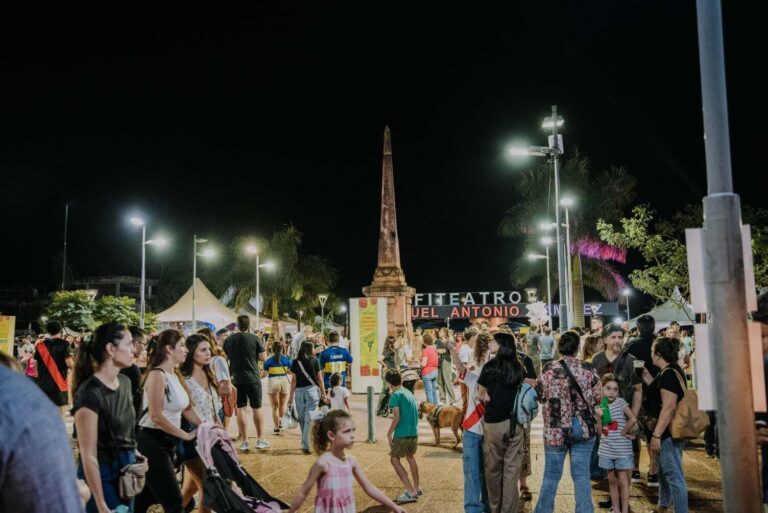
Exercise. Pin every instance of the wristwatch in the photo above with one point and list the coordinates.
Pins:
(654, 436)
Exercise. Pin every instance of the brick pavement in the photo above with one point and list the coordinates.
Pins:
(282, 468)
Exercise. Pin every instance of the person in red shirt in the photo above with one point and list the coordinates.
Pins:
(429, 362)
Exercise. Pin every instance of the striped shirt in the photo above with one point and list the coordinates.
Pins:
(615, 445)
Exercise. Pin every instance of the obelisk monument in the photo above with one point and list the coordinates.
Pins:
(389, 278)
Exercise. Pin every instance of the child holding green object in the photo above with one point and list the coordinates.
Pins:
(615, 453)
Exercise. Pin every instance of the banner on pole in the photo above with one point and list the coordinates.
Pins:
(7, 330)
(368, 326)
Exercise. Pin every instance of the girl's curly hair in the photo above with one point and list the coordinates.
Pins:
(320, 428)
(481, 346)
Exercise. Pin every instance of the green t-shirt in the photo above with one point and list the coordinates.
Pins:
(409, 414)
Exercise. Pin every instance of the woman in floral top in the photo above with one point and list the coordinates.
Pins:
(569, 423)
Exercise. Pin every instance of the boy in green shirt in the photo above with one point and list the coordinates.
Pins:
(403, 435)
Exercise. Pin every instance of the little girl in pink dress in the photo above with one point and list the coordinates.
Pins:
(334, 470)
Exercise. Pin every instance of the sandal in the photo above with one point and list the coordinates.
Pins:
(525, 494)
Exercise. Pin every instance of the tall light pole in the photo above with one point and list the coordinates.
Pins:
(724, 279)
(64, 263)
(546, 241)
(567, 203)
(626, 293)
(207, 254)
(159, 241)
(555, 149)
(254, 250)
(323, 298)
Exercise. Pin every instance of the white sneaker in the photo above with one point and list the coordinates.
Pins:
(244, 446)
(262, 444)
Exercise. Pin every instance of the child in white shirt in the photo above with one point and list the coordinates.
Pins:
(339, 395)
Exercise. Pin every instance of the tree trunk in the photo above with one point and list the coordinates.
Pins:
(275, 320)
(578, 291)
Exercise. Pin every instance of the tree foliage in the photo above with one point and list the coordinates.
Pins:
(78, 311)
(293, 285)
(663, 247)
(666, 265)
(74, 308)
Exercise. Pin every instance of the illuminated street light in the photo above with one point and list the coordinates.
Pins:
(546, 241)
(157, 241)
(252, 249)
(207, 253)
(626, 293)
(555, 149)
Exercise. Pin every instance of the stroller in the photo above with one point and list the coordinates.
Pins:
(227, 487)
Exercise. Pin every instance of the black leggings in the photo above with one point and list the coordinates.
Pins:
(162, 486)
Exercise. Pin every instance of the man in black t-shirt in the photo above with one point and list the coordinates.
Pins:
(244, 351)
(54, 359)
(640, 348)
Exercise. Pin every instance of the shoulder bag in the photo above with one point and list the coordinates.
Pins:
(323, 402)
(589, 418)
(688, 421)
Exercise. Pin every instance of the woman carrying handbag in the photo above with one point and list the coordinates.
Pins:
(307, 387)
(105, 419)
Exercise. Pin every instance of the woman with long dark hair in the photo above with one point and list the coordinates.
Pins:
(104, 416)
(202, 385)
(308, 387)
(497, 386)
(166, 401)
(220, 368)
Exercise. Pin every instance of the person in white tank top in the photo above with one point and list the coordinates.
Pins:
(165, 401)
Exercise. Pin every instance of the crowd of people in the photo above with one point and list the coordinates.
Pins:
(138, 399)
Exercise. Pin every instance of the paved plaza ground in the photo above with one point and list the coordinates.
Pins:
(282, 468)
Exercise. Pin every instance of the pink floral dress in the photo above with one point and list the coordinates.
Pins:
(334, 488)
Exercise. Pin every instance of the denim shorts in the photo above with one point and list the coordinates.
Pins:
(624, 463)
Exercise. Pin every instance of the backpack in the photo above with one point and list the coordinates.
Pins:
(526, 404)
(689, 421)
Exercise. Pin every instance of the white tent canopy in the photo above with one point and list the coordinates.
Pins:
(208, 309)
(675, 309)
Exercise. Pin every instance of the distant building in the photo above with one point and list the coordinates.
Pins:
(129, 286)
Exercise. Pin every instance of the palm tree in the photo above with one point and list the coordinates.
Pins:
(603, 195)
(293, 285)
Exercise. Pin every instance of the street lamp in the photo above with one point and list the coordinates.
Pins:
(567, 203)
(252, 249)
(546, 241)
(207, 253)
(158, 241)
(626, 293)
(343, 309)
(323, 298)
(555, 149)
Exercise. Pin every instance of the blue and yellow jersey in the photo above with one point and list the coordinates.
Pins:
(334, 360)
(275, 368)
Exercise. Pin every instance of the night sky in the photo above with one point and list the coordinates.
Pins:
(227, 124)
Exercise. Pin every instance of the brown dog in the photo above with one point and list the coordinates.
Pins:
(440, 417)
